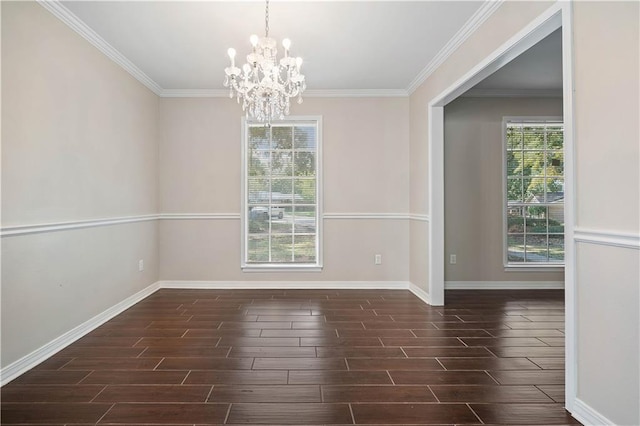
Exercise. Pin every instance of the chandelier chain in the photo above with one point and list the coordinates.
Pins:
(266, 20)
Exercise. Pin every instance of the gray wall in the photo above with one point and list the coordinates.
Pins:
(473, 174)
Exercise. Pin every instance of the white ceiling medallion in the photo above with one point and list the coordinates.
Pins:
(265, 85)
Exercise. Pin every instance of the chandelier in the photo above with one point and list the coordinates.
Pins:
(265, 85)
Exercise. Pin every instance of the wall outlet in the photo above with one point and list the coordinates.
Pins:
(378, 259)
(140, 265)
(453, 259)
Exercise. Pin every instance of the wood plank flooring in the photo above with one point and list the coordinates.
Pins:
(283, 357)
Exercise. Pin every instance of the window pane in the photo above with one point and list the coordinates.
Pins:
(305, 220)
(282, 137)
(555, 137)
(257, 190)
(534, 190)
(555, 190)
(258, 163)
(282, 191)
(555, 163)
(556, 248)
(305, 191)
(305, 138)
(258, 217)
(281, 164)
(514, 163)
(533, 137)
(258, 249)
(515, 249)
(515, 220)
(534, 163)
(514, 136)
(305, 164)
(514, 189)
(556, 218)
(536, 220)
(536, 248)
(258, 137)
(304, 249)
(282, 248)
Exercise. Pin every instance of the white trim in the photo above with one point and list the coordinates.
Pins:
(503, 285)
(607, 238)
(317, 93)
(276, 285)
(398, 216)
(190, 216)
(194, 93)
(420, 293)
(473, 23)
(76, 24)
(356, 93)
(29, 361)
(587, 415)
(512, 93)
(419, 217)
(9, 231)
(436, 204)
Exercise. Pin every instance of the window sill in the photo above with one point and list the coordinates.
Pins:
(535, 268)
(281, 268)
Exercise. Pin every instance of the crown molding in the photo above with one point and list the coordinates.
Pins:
(320, 93)
(76, 24)
(512, 93)
(194, 93)
(473, 23)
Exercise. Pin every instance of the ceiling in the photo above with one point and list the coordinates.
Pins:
(346, 45)
(537, 69)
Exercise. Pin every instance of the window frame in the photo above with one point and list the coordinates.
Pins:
(523, 266)
(244, 222)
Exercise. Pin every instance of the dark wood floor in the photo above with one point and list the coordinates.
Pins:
(308, 357)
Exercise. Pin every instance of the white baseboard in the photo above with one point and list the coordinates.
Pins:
(587, 415)
(274, 285)
(29, 361)
(504, 285)
(420, 293)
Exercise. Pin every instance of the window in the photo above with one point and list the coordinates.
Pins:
(281, 220)
(534, 192)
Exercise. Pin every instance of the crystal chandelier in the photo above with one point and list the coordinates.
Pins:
(263, 84)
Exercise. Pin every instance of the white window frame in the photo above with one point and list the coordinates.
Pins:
(508, 266)
(244, 223)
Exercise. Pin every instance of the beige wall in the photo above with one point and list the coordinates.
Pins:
(473, 175)
(79, 141)
(365, 157)
(608, 178)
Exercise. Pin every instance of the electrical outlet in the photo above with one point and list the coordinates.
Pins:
(140, 265)
(453, 259)
(378, 259)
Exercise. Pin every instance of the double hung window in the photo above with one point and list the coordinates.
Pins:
(534, 192)
(281, 195)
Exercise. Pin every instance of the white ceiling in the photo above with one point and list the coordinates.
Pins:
(370, 45)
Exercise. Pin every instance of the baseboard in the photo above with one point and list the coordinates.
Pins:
(504, 285)
(29, 361)
(587, 415)
(420, 293)
(274, 285)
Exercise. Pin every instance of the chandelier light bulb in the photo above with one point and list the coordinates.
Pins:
(232, 54)
(254, 40)
(286, 43)
(298, 63)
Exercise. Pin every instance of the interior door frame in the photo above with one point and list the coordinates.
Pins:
(559, 15)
